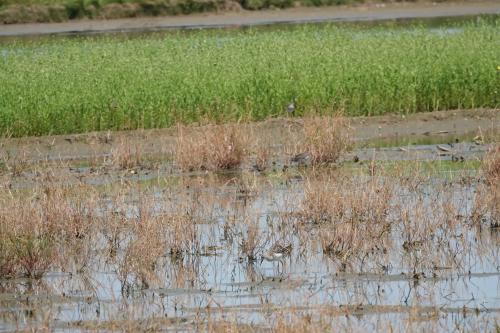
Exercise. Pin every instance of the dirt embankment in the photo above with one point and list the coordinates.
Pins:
(280, 132)
(219, 13)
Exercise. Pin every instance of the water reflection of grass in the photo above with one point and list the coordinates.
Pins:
(393, 223)
(437, 168)
(430, 139)
(79, 85)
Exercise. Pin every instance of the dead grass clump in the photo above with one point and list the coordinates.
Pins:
(154, 236)
(348, 242)
(263, 155)
(491, 166)
(433, 227)
(146, 247)
(210, 148)
(182, 238)
(251, 243)
(351, 214)
(325, 138)
(15, 163)
(294, 321)
(341, 241)
(126, 156)
(340, 199)
(41, 230)
(25, 250)
(487, 197)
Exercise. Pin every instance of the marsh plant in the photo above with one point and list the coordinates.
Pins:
(428, 224)
(325, 138)
(210, 147)
(487, 203)
(147, 239)
(127, 155)
(151, 234)
(491, 165)
(253, 238)
(13, 162)
(164, 242)
(45, 228)
(262, 153)
(351, 224)
(327, 202)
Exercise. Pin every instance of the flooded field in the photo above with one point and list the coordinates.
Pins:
(218, 180)
(299, 235)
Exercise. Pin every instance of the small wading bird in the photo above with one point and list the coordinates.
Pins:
(277, 252)
(302, 158)
(290, 109)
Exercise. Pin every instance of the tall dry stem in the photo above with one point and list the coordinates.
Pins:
(325, 138)
(210, 148)
(43, 228)
(126, 155)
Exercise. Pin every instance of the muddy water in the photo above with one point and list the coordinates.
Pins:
(449, 282)
(78, 168)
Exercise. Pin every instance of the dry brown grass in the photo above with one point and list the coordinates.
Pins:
(359, 217)
(262, 155)
(41, 228)
(153, 236)
(351, 214)
(426, 224)
(325, 138)
(15, 163)
(487, 203)
(210, 148)
(364, 221)
(147, 245)
(127, 155)
(491, 166)
(337, 198)
(252, 241)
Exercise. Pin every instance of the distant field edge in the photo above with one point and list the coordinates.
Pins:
(45, 11)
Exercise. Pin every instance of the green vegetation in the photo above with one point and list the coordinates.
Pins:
(73, 85)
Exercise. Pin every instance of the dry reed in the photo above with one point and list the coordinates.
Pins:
(325, 138)
(210, 148)
(351, 214)
(46, 226)
(487, 203)
(127, 156)
(491, 166)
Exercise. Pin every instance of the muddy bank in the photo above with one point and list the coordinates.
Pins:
(457, 137)
(392, 130)
(365, 12)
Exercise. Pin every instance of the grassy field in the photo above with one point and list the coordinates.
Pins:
(72, 85)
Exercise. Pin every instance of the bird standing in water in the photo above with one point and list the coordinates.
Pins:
(277, 252)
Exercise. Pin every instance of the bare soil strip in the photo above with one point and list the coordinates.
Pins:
(367, 12)
(280, 131)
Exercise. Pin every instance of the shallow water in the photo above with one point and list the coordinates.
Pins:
(440, 25)
(450, 281)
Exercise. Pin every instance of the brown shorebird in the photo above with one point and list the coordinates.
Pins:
(301, 158)
(278, 251)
